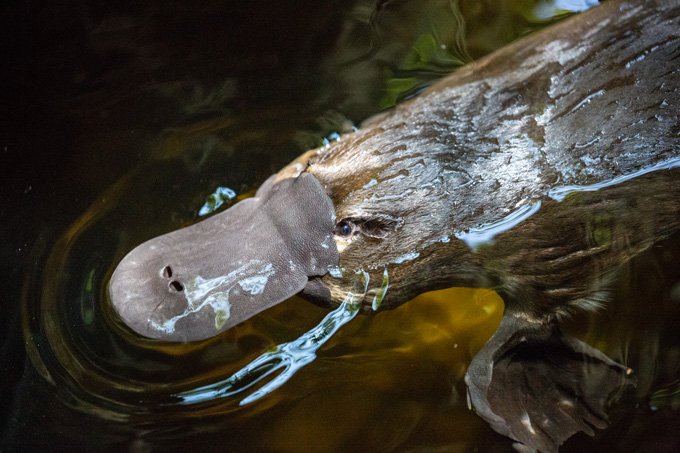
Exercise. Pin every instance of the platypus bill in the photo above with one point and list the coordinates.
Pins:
(537, 172)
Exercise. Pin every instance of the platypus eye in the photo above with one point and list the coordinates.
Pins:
(344, 228)
(374, 226)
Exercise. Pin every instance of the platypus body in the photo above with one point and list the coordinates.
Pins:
(536, 171)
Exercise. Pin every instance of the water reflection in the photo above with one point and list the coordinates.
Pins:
(290, 356)
(380, 292)
(217, 199)
(560, 193)
(484, 234)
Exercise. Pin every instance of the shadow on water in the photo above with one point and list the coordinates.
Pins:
(122, 120)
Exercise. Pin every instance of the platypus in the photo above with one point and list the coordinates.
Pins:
(537, 171)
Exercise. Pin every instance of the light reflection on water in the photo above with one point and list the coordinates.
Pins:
(484, 234)
(560, 193)
(290, 356)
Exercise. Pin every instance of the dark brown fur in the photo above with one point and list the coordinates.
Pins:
(583, 102)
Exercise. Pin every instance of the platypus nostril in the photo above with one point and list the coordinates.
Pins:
(175, 286)
(167, 272)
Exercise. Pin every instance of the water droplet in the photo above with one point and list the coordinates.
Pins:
(380, 295)
(484, 234)
(216, 200)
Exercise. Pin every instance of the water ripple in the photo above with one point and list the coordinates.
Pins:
(289, 356)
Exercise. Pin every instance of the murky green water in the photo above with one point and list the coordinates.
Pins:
(120, 121)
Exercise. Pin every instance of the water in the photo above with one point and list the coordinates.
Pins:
(560, 193)
(216, 200)
(484, 234)
(290, 356)
(119, 124)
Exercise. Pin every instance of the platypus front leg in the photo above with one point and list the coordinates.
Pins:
(538, 386)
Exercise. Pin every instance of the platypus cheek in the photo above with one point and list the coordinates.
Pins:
(196, 282)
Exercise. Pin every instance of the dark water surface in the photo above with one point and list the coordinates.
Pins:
(119, 119)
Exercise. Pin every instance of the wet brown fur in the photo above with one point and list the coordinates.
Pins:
(583, 102)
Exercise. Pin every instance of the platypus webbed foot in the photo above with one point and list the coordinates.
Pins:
(539, 387)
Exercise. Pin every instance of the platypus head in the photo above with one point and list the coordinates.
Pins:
(394, 210)
(361, 216)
